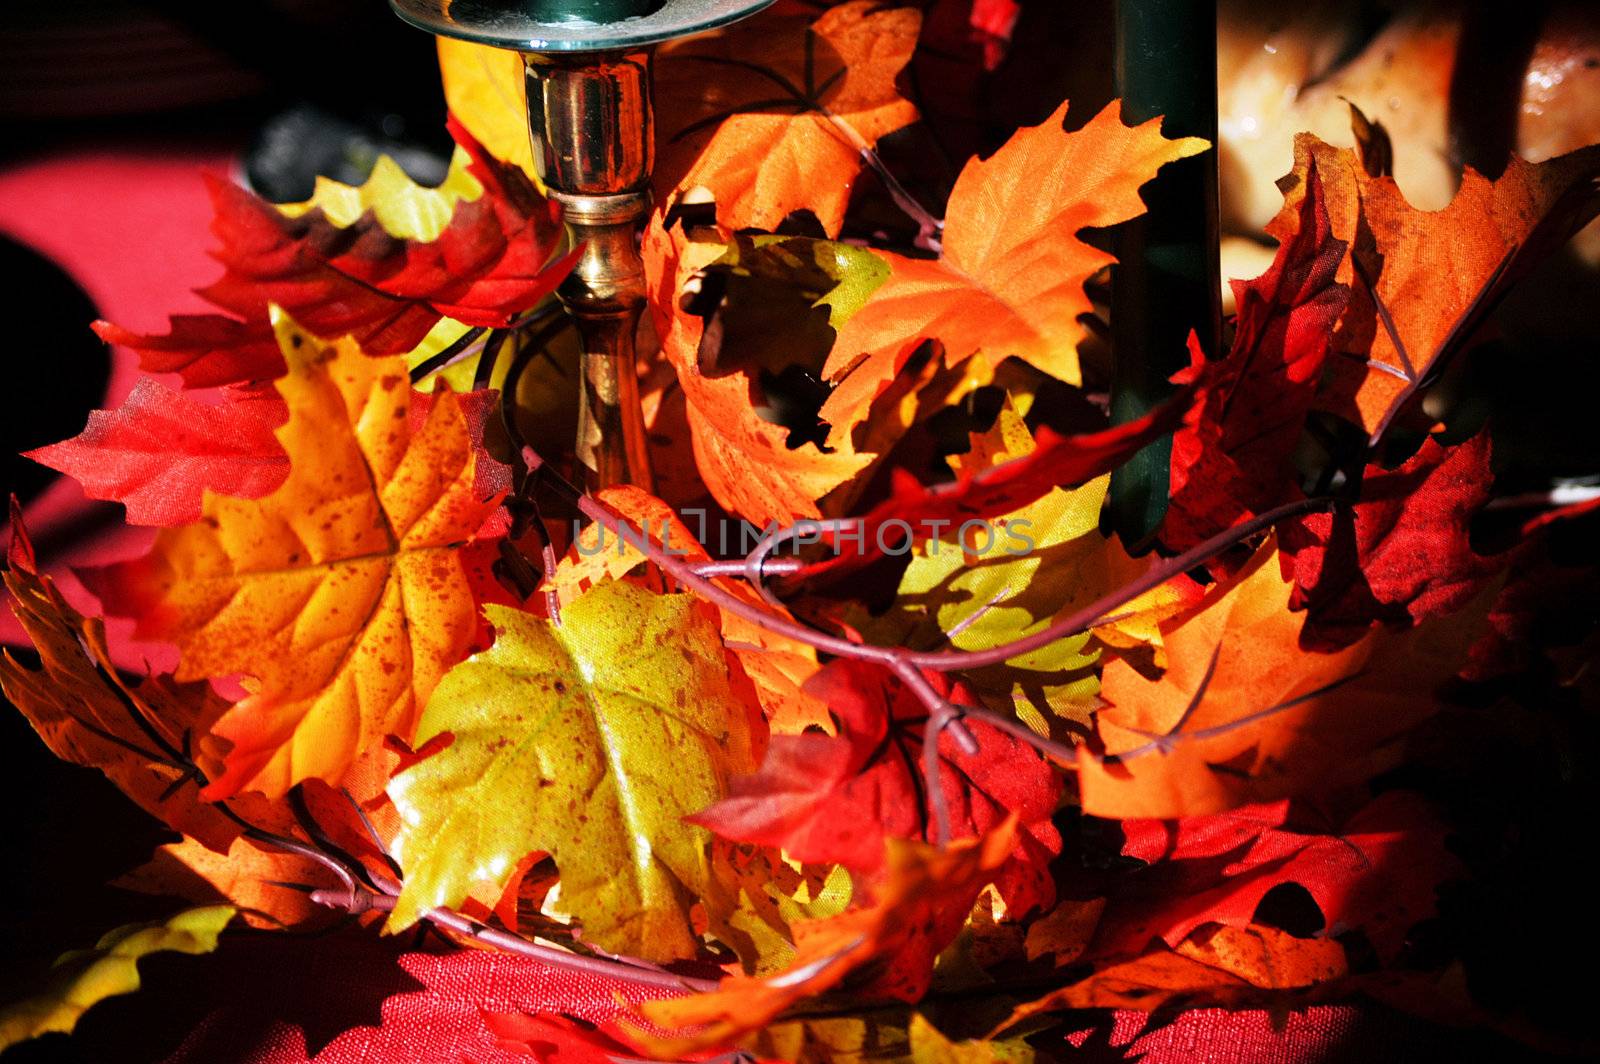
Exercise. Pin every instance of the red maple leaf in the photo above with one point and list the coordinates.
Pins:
(1401, 554)
(492, 261)
(921, 510)
(161, 451)
(1377, 874)
(1232, 458)
(834, 799)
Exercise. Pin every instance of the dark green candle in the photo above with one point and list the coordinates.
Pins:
(1167, 283)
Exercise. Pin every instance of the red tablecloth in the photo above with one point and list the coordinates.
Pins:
(130, 224)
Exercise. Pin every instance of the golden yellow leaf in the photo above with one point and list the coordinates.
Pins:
(83, 978)
(341, 596)
(590, 740)
(484, 90)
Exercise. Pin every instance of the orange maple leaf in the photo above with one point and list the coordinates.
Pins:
(772, 114)
(917, 908)
(340, 596)
(1423, 281)
(1243, 714)
(744, 460)
(1009, 281)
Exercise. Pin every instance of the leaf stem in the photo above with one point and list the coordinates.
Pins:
(359, 901)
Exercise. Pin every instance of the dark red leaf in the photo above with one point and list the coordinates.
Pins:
(833, 800)
(494, 260)
(1232, 458)
(920, 510)
(1377, 874)
(1400, 555)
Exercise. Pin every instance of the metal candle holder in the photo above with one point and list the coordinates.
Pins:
(587, 65)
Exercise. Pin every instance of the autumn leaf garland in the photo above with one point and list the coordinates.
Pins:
(836, 774)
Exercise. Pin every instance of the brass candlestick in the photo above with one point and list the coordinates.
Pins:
(587, 65)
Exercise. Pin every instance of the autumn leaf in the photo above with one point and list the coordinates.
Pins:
(1422, 282)
(137, 734)
(1233, 456)
(745, 461)
(1227, 968)
(917, 907)
(1401, 555)
(834, 799)
(83, 978)
(1009, 281)
(341, 594)
(270, 888)
(917, 510)
(1065, 931)
(552, 1039)
(777, 665)
(478, 249)
(1243, 714)
(483, 89)
(1155, 980)
(161, 451)
(983, 581)
(771, 115)
(1375, 872)
(1267, 957)
(589, 740)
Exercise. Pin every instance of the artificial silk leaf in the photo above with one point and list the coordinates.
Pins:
(989, 583)
(1268, 958)
(83, 978)
(341, 595)
(917, 510)
(1243, 714)
(745, 461)
(772, 115)
(136, 733)
(1009, 281)
(589, 740)
(834, 799)
(1375, 872)
(985, 582)
(929, 1046)
(1157, 980)
(552, 1039)
(270, 887)
(1065, 931)
(1401, 554)
(778, 665)
(386, 288)
(483, 89)
(161, 451)
(1423, 281)
(917, 906)
(1233, 456)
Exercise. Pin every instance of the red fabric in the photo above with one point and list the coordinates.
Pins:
(131, 226)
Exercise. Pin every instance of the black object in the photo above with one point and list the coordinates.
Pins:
(1168, 282)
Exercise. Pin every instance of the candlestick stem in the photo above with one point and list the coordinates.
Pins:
(593, 143)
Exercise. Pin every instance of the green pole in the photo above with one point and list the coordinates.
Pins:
(1167, 283)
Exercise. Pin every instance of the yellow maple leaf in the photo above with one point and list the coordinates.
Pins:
(340, 597)
(591, 740)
